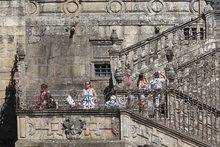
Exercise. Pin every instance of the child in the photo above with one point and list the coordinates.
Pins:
(111, 104)
(70, 101)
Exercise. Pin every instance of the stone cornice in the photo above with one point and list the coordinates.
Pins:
(57, 112)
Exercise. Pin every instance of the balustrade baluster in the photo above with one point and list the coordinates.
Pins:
(166, 42)
(174, 38)
(165, 107)
(196, 97)
(143, 57)
(202, 97)
(181, 37)
(168, 95)
(197, 31)
(127, 63)
(184, 88)
(135, 61)
(188, 104)
(190, 36)
(206, 119)
(162, 39)
(178, 102)
(203, 26)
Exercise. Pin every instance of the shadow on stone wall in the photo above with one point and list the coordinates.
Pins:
(108, 91)
(8, 121)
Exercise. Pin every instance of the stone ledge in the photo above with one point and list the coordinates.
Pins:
(75, 143)
(58, 112)
(116, 113)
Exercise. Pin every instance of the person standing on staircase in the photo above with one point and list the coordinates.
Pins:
(157, 85)
(142, 83)
(89, 96)
(41, 99)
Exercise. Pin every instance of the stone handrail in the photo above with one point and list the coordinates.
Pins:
(166, 32)
(196, 59)
(177, 111)
(195, 102)
(174, 111)
(148, 56)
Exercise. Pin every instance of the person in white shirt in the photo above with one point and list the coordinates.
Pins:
(70, 99)
(157, 84)
(111, 104)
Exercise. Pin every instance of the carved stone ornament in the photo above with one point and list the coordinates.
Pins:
(122, 101)
(114, 36)
(32, 7)
(156, 6)
(115, 126)
(72, 7)
(119, 76)
(73, 127)
(115, 6)
(195, 4)
(208, 7)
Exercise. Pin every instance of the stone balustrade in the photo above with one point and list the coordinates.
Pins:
(174, 46)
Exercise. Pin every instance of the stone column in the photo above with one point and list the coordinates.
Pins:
(116, 69)
(210, 24)
(20, 80)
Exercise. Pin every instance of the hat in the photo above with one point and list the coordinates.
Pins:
(113, 97)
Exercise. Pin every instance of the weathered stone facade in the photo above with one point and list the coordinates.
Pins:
(118, 128)
(60, 42)
(64, 62)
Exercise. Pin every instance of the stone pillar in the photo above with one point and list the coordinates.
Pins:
(20, 82)
(116, 69)
(169, 69)
(125, 127)
(210, 24)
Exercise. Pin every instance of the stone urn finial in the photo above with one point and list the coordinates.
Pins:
(208, 7)
(118, 76)
(114, 36)
(170, 72)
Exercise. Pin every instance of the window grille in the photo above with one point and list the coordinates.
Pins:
(201, 33)
(194, 33)
(186, 33)
(102, 70)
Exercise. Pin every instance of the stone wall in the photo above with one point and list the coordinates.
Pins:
(65, 62)
(37, 29)
(12, 38)
(122, 128)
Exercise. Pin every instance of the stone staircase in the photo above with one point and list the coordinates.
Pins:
(190, 118)
(193, 107)
(191, 110)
